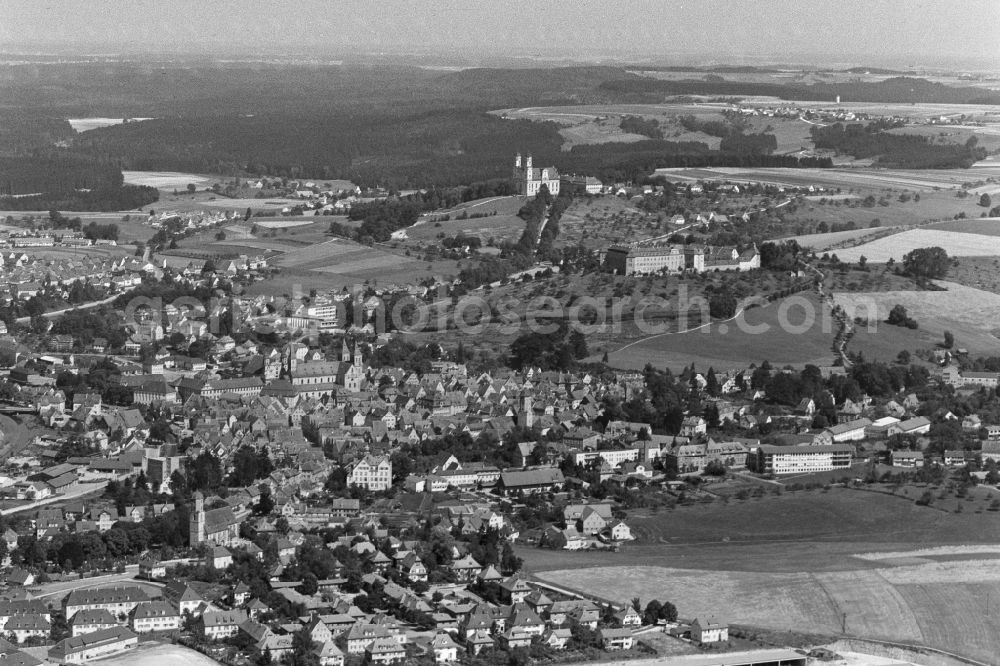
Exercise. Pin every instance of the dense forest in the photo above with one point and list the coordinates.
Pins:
(897, 150)
(69, 182)
(395, 126)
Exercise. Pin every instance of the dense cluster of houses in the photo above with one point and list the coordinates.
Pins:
(26, 276)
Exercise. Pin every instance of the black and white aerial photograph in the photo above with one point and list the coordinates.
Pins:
(500, 332)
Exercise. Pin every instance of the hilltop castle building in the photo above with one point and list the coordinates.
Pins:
(530, 180)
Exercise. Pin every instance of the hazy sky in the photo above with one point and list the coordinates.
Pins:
(876, 31)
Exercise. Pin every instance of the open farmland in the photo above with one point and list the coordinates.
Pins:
(947, 615)
(737, 343)
(334, 264)
(896, 246)
(986, 226)
(500, 222)
(822, 242)
(600, 123)
(805, 559)
(972, 315)
(924, 179)
(168, 180)
(282, 224)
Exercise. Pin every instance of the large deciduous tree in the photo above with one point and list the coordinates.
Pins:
(926, 263)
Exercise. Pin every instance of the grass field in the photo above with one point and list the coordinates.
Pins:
(501, 223)
(971, 314)
(822, 242)
(985, 226)
(977, 272)
(803, 561)
(737, 344)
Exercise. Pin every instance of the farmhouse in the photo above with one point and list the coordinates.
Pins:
(709, 631)
(802, 459)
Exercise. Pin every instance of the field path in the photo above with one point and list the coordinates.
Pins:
(686, 330)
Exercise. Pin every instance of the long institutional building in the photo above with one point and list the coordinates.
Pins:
(802, 459)
(642, 259)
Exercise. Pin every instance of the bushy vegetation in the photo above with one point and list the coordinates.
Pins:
(640, 125)
(898, 150)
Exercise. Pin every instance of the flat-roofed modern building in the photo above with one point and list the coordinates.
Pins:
(802, 459)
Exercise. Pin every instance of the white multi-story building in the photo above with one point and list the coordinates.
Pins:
(119, 601)
(155, 616)
(802, 459)
(529, 180)
(371, 472)
(222, 624)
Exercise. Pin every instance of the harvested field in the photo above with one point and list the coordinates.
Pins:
(894, 247)
(843, 178)
(938, 551)
(276, 203)
(862, 603)
(167, 180)
(284, 224)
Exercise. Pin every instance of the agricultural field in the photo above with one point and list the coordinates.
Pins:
(932, 207)
(922, 179)
(836, 239)
(337, 263)
(970, 314)
(590, 124)
(986, 226)
(501, 221)
(737, 344)
(168, 180)
(977, 272)
(284, 223)
(945, 614)
(987, 136)
(805, 560)
(956, 244)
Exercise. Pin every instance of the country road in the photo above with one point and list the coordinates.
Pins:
(80, 491)
(56, 313)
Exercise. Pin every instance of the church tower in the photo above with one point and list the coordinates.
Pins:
(345, 353)
(358, 361)
(526, 418)
(527, 166)
(517, 163)
(196, 523)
